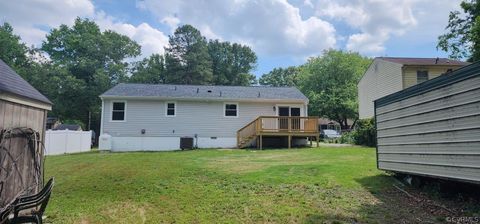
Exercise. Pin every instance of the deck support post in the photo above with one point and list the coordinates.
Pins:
(310, 140)
(289, 141)
(318, 140)
(261, 142)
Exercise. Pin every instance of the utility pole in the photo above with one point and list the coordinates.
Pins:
(89, 120)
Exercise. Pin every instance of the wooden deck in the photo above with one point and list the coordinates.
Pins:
(265, 126)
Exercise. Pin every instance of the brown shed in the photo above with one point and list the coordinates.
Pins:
(21, 106)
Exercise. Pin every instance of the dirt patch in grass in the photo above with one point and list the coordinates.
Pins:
(126, 212)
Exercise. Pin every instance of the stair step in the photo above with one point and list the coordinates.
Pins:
(243, 142)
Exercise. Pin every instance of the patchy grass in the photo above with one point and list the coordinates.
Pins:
(332, 185)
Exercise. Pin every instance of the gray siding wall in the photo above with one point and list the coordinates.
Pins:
(192, 117)
(382, 78)
(14, 115)
(17, 115)
(436, 133)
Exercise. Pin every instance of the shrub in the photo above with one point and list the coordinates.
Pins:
(347, 138)
(365, 133)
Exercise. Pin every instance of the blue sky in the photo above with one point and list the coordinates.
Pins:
(282, 33)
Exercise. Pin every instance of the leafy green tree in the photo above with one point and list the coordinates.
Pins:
(232, 63)
(150, 70)
(84, 49)
(280, 77)
(462, 39)
(330, 82)
(93, 60)
(61, 87)
(12, 51)
(187, 59)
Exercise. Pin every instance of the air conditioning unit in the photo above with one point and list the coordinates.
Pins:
(186, 143)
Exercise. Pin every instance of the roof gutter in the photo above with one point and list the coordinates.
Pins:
(25, 101)
(305, 101)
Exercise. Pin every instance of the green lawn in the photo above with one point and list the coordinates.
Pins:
(223, 186)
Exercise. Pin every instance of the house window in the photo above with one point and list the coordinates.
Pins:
(231, 110)
(118, 111)
(422, 76)
(171, 109)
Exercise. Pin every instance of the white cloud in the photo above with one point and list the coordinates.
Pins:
(297, 28)
(171, 21)
(32, 20)
(150, 39)
(377, 21)
(366, 43)
(270, 27)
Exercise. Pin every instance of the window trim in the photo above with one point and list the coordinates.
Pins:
(174, 108)
(124, 110)
(302, 109)
(428, 75)
(225, 109)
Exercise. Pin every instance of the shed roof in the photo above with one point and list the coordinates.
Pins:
(72, 127)
(206, 92)
(11, 82)
(424, 61)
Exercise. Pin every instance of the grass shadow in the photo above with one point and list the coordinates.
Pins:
(432, 201)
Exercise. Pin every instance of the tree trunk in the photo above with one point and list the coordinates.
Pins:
(354, 122)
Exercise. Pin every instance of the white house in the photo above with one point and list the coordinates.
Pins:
(387, 75)
(155, 117)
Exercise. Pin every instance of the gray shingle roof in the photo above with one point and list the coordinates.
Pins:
(206, 92)
(11, 82)
(72, 127)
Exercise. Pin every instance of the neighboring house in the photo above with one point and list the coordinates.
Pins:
(71, 127)
(52, 123)
(387, 75)
(21, 106)
(433, 129)
(325, 123)
(155, 117)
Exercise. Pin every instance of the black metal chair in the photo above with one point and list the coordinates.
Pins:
(30, 209)
(5, 213)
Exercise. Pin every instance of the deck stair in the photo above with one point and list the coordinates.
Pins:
(276, 126)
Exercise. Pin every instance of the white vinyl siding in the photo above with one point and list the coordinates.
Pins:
(382, 78)
(205, 118)
(435, 133)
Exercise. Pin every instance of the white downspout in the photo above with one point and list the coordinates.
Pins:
(101, 118)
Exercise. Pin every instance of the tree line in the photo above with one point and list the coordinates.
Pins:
(75, 64)
(329, 81)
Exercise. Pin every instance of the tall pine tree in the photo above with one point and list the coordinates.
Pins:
(232, 63)
(187, 59)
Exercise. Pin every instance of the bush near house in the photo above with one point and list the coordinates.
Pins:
(365, 133)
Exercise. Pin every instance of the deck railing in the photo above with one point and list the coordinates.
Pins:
(277, 125)
(287, 124)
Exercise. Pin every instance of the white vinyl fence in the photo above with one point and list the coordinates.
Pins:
(66, 141)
